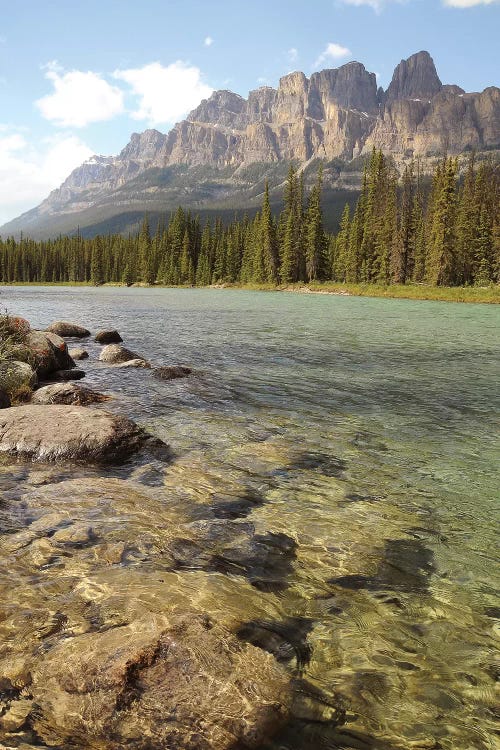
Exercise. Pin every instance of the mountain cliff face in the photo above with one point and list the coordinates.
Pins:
(334, 114)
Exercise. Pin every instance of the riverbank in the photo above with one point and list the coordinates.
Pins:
(484, 295)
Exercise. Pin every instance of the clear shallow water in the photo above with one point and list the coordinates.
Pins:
(364, 430)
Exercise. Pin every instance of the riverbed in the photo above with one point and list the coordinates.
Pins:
(360, 436)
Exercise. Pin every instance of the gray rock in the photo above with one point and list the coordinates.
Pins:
(63, 433)
(181, 681)
(172, 372)
(78, 353)
(48, 352)
(74, 374)
(15, 376)
(62, 328)
(108, 337)
(67, 393)
(114, 354)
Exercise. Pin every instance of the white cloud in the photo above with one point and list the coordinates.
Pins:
(79, 98)
(293, 54)
(468, 3)
(332, 51)
(28, 173)
(208, 41)
(165, 94)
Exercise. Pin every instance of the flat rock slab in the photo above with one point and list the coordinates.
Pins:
(62, 328)
(62, 433)
(67, 393)
(108, 337)
(171, 373)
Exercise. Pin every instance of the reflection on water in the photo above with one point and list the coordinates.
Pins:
(331, 496)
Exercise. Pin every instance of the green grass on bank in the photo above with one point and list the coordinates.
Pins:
(488, 295)
(485, 295)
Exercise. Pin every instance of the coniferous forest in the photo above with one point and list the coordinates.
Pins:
(403, 230)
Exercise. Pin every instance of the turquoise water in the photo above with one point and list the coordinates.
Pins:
(365, 430)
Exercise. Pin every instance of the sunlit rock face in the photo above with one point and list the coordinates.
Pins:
(335, 114)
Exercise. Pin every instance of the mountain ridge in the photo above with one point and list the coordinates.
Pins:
(337, 114)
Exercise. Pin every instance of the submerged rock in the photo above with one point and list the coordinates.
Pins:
(61, 433)
(16, 715)
(407, 566)
(62, 328)
(67, 393)
(78, 353)
(74, 374)
(116, 354)
(108, 337)
(133, 363)
(172, 372)
(180, 682)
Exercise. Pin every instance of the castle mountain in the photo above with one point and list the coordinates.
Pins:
(220, 155)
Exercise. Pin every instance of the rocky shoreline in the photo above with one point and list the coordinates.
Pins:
(113, 654)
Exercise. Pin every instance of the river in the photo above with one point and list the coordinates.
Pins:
(361, 434)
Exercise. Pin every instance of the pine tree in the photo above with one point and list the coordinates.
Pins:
(148, 273)
(270, 260)
(315, 243)
(340, 260)
(440, 263)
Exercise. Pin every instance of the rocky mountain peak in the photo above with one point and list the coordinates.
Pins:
(221, 107)
(350, 86)
(414, 78)
(143, 145)
(335, 114)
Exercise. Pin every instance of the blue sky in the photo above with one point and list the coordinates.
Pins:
(78, 78)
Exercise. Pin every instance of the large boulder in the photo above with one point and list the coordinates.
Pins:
(16, 377)
(108, 337)
(11, 325)
(182, 682)
(115, 354)
(62, 433)
(172, 372)
(67, 393)
(69, 330)
(48, 352)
